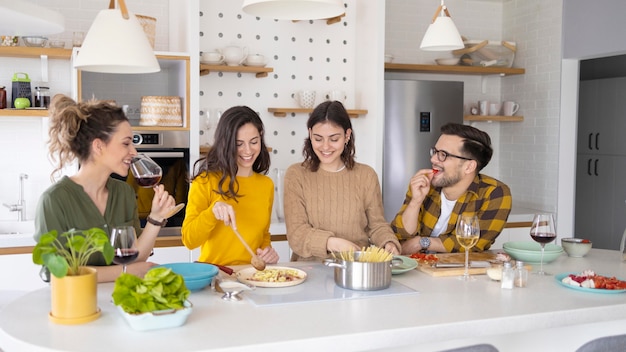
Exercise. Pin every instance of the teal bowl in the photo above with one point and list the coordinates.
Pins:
(530, 252)
(196, 275)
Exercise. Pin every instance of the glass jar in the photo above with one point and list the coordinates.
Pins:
(3, 98)
(508, 276)
(42, 97)
(521, 274)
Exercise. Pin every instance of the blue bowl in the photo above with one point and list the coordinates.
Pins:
(197, 284)
(193, 271)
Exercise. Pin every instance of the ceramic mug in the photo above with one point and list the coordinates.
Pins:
(338, 95)
(306, 98)
(212, 57)
(494, 109)
(483, 107)
(510, 108)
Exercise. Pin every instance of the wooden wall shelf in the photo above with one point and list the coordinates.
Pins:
(34, 53)
(282, 112)
(459, 70)
(259, 71)
(24, 112)
(493, 118)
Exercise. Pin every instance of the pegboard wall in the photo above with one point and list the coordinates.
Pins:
(305, 55)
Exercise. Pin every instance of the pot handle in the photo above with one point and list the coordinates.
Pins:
(331, 263)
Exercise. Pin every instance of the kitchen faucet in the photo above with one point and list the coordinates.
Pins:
(20, 207)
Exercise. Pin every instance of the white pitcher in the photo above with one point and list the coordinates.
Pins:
(234, 55)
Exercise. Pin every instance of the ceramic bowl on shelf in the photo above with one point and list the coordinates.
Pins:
(35, 41)
(57, 44)
(576, 247)
(448, 61)
(530, 251)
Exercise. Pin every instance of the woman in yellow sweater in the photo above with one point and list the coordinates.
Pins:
(230, 188)
(333, 203)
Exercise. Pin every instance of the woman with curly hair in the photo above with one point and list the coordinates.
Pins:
(332, 203)
(231, 181)
(98, 136)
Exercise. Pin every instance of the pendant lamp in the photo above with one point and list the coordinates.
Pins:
(116, 43)
(442, 34)
(294, 9)
(22, 18)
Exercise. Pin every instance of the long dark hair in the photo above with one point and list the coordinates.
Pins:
(335, 113)
(222, 156)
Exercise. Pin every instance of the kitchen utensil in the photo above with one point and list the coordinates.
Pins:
(21, 87)
(257, 60)
(305, 98)
(212, 58)
(361, 276)
(467, 234)
(483, 107)
(509, 108)
(146, 171)
(543, 231)
(336, 95)
(530, 252)
(35, 41)
(234, 55)
(124, 242)
(448, 61)
(256, 262)
(225, 269)
(494, 108)
(576, 247)
(230, 288)
(272, 275)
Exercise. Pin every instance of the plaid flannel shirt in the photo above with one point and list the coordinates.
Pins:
(487, 197)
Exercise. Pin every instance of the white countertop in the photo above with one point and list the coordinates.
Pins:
(446, 313)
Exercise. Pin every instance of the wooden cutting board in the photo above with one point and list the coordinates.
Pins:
(456, 258)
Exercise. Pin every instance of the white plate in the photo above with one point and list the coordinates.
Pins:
(214, 63)
(245, 276)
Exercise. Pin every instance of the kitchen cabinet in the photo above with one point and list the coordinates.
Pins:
(601, 162)
(172, 80)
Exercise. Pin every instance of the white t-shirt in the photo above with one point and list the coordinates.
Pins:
(446, 210)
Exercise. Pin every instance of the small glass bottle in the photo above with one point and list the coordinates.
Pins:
(3, 98)
(508, 276)
(521, 274)
(42, 97)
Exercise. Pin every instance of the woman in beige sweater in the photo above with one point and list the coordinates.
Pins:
(333, 203)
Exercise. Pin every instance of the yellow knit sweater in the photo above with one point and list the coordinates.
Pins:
(253, 213)
(346, 204)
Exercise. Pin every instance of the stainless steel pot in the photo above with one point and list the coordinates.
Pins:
(362, 276)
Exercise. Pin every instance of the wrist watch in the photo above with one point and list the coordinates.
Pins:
(156, 223)
(425, 243)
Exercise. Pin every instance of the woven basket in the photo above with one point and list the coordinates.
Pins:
(149, 27)
(161, 111)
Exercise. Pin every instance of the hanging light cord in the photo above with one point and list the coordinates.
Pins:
(123, 8)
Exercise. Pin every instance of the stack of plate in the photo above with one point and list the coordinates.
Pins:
(530, 252)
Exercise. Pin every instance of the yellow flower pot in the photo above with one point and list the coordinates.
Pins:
(74, 299)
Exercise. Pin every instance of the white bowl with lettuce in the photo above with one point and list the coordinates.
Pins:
(157, 301)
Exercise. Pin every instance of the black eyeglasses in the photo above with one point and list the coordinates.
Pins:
(442, 155)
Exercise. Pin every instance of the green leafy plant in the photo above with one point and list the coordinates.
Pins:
(63, 254)
(160, 289)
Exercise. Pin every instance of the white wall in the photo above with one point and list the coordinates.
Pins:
(525, 153)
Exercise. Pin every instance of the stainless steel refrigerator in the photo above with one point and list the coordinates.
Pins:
(415, 110)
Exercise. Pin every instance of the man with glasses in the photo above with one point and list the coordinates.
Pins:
(436, 196)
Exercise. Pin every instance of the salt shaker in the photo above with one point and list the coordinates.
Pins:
(521, 274)
(508, 276)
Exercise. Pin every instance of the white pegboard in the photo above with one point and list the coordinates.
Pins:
(304, 55)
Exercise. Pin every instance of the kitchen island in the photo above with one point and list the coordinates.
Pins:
(430, 313)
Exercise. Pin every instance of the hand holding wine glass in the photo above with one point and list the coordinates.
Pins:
(542, 231)
(467, 234)
(124, 242)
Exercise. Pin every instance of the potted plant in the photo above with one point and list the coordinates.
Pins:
(73, 285)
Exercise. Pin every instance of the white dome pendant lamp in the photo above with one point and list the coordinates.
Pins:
(294, 10)
(116, 43)
(442, 34)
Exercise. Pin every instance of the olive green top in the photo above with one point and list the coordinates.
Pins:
(65, 206)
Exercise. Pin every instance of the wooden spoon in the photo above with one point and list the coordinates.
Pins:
(256, 262)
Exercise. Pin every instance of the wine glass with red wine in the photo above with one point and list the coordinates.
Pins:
(542, 231)
(124, 242)
(146, 171)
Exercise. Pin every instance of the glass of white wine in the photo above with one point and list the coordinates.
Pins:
(467, 234)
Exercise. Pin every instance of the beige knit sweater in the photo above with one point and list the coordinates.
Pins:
(346, 204)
